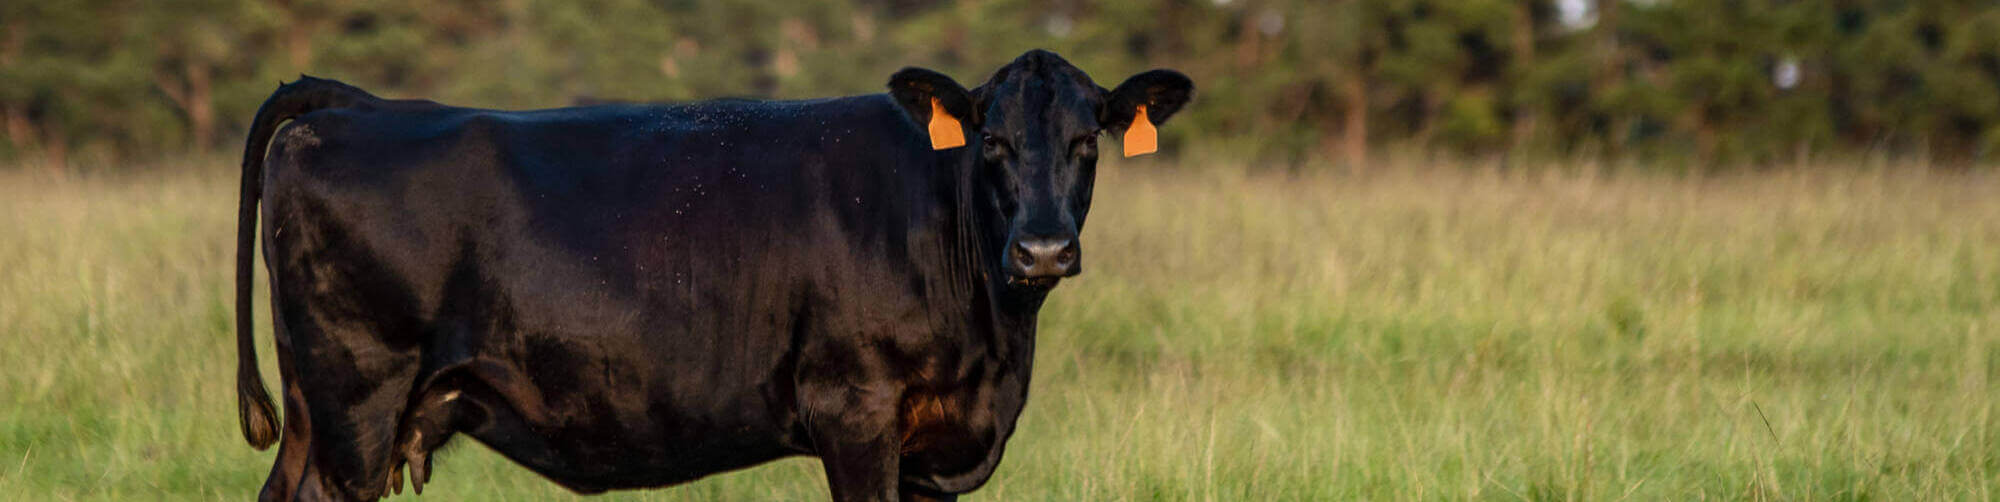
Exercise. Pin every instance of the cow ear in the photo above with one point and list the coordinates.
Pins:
(937, 102)
(1144, 101)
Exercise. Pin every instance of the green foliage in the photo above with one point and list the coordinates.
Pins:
(1280, 80)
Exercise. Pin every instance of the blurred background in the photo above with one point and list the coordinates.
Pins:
(1703, 84)
(1394, 250)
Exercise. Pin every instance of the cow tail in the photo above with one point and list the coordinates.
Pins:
(254, 411)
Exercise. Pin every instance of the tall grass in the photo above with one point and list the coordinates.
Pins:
(1420, 333)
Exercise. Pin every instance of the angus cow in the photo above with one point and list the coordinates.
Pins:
(629, 296)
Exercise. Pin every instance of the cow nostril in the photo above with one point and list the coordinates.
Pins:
(1067, 256)
(1023, 256)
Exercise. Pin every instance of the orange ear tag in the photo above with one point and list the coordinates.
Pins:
(944, 129)
(1141, 138)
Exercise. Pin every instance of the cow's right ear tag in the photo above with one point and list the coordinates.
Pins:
(1141, 138)
(944, 128)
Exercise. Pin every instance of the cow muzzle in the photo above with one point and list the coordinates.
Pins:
(1043, 260)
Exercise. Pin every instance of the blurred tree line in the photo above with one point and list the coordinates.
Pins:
(1289, 82)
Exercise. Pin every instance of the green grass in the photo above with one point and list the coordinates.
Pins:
(1420, 333)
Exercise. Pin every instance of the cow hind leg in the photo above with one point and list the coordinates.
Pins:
(293, 447)
(353, 446)
(355, 336)
(314, 487)
(357, 397)
(289, 469)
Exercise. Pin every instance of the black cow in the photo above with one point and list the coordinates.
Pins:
(629, 296)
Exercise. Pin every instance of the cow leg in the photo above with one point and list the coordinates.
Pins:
(357, 390)
(295, 442)
(293, 448)
(309, 486)
(353, 339)
(912, 493)
(313, 487)
(860, 464)
(855, 471)
(853, 432)
(353, 443)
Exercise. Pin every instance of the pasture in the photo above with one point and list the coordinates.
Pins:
(1420, 332)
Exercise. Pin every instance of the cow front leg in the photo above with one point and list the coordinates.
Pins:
(859, 469)
(853, 433)
(913, 493)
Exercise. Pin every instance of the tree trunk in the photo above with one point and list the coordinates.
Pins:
(20, 130)
(298, 47)
(10, 44)
(1429, 102)
(201, 109)
(1610, 69)
(1354, 127)
(1248, 49)
(191, 92)
(1705, 139)
(1705, 126)
(1524, 59)
(55, 151)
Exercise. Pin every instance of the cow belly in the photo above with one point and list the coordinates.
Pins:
(595, 437)
(633, 462)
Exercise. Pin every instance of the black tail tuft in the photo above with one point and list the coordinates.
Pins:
(254, 410)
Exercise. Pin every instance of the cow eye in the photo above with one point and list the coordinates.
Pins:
(993, 143)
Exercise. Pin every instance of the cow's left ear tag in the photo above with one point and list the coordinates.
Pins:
(1141, 138)
(944, 128)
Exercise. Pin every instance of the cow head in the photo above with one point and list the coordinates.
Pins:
(1033, 129)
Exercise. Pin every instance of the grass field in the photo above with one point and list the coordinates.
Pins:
(1419, 333)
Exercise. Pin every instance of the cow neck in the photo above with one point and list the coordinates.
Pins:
(1009, 312)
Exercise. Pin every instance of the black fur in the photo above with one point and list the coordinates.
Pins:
(628, 296)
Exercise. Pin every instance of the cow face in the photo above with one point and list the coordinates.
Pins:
(1035, 127)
